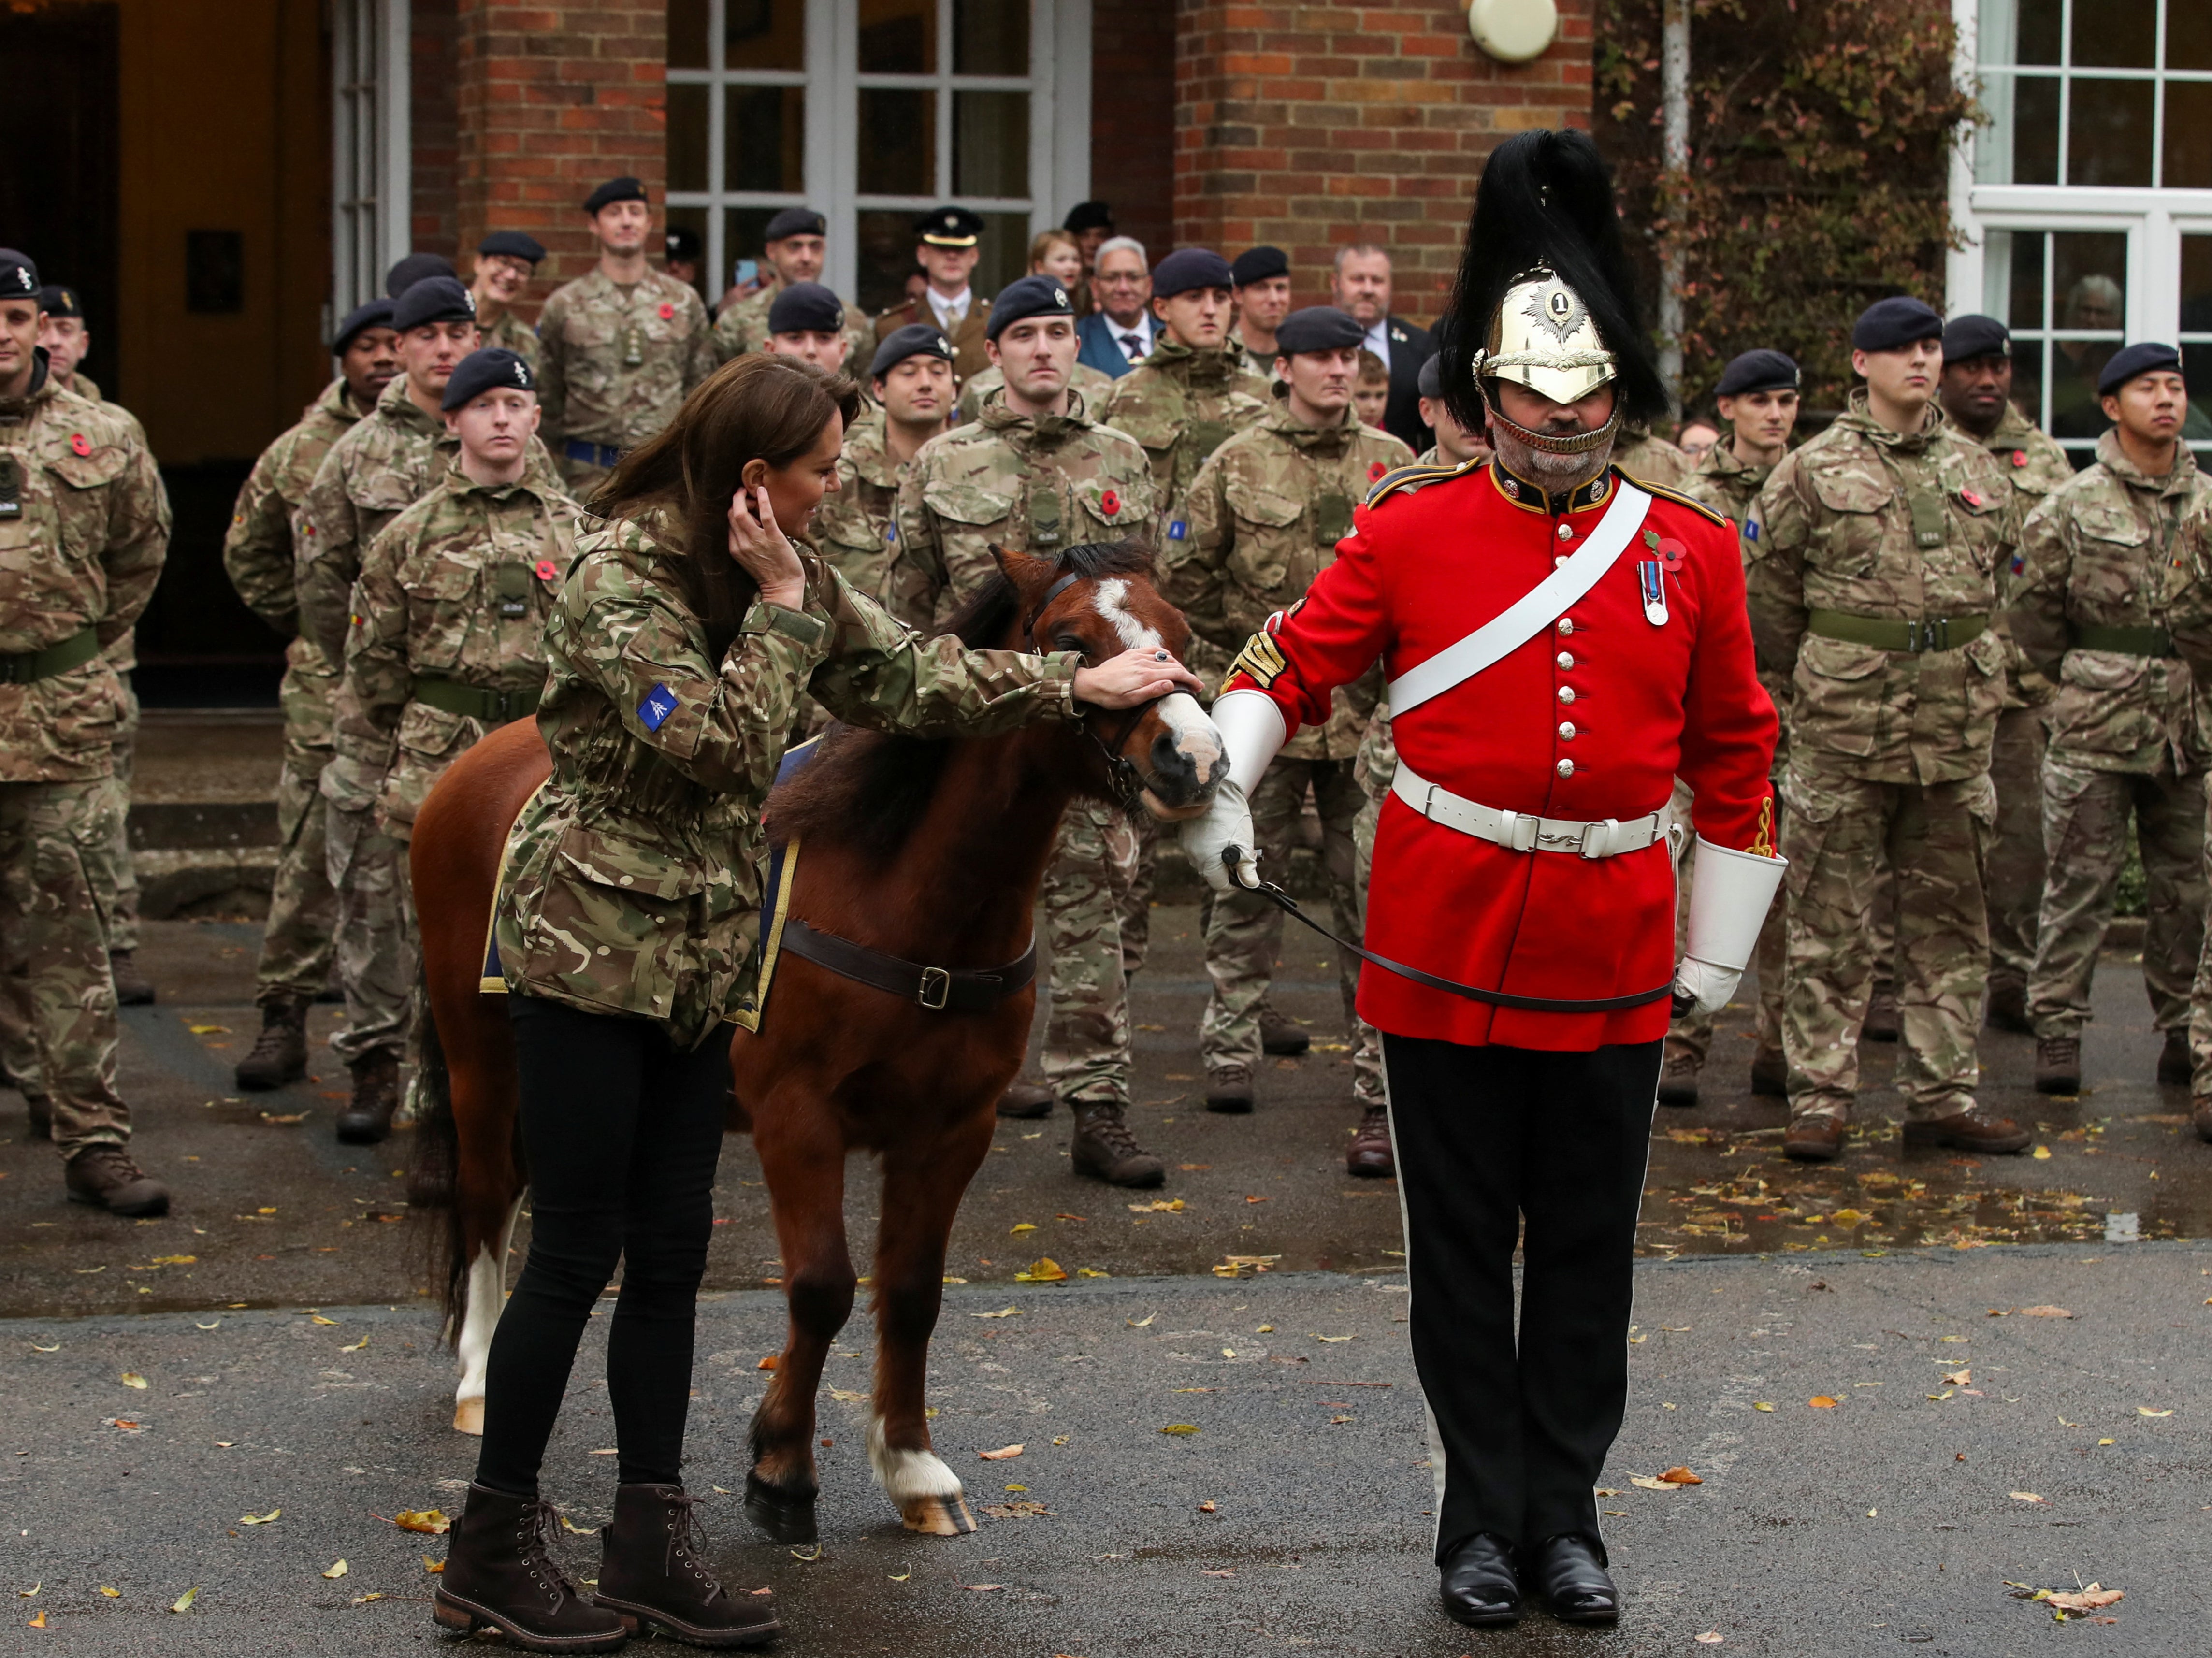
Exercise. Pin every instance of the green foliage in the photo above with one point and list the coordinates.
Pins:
(1821, 136)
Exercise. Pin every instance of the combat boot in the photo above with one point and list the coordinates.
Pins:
(2200, 1114)
(1678, 1080)
(1970, 1130)
(1104, 1149)
(1026, 1100)
(1281, 1036)
(103, 1175)
(1372, 1155)
(2057, 1065)
(367, 1118)
(1814, 1137)
(2174, 1062)
(1229, 1089)
(280, 1053)
(2009, 1007)
(652, 1577)
(499, 1574)
(1882, 1023)
(132, 987)
(1770, 1074)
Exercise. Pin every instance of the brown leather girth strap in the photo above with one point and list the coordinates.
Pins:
(956, 990)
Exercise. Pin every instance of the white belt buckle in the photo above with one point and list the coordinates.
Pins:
(1598, 838)
(1518, 831)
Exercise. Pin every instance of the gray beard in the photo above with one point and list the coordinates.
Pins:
(1555, 472)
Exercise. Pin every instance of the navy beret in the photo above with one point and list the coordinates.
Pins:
(949, 227)
(1892, 324)
(914, 340)
(682, 244)
(481, 371)
(1188, 268)
(377, 313)
(1256, 265)
(1088, 216)
(2145, 357)
(624, 189)
(513, 245)
(59, 300)
(1758, 371)
(1972, 335)
(434, 299)
(795, 222)
(19, 277)
(806, 308)
(1317, 328)
(413, 268)
(1032, 296)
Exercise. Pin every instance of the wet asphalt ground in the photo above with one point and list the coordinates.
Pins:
(1775, 1552)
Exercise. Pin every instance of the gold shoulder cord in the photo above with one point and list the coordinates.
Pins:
(1762, 844)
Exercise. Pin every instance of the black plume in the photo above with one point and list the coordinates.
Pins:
(1546, 199)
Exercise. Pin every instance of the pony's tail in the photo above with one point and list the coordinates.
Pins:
(437, 1166)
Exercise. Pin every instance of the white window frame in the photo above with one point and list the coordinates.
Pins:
(1059, 85)
(371, 149)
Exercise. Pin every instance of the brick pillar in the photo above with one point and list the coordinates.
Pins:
(1310, 127)
(556, 97)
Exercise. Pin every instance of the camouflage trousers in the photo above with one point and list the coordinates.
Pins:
(1086, 893)
(1244, 931)
(118, 872)
(2200, 995)
(2014, 887)
(297, 943)
(2084, 829)
(1691, 1036)
(1935, 838)
(53, 954)
(374, 935)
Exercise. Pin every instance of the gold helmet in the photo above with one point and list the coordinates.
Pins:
(1542, 336)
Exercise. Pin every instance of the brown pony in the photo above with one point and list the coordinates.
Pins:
(927, 852)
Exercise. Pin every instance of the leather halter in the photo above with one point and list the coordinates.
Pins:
(1122, 776)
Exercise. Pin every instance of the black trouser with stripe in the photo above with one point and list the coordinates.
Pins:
(1488, 1138)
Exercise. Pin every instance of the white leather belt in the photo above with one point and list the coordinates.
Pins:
(1522, 832)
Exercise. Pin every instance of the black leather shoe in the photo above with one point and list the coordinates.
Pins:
(1570, 1577)
(1478, 1585)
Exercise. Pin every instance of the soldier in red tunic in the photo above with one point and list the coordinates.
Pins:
(1560, 643)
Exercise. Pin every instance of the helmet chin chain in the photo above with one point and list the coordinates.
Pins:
(1580, 444)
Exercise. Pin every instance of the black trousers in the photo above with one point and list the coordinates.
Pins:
(622, 1130)
(1488, 1139)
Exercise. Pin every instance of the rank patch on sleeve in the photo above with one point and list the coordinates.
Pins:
(1178, 530)
(660, 703)
(1261, 660)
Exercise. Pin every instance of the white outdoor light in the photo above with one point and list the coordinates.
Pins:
(1513, 31)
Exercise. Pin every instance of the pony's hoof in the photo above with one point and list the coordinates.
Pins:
(468, 1416)
(938, 1516)
(780, 1516)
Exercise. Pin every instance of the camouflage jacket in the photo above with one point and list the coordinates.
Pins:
(1731, 488)
(389, 461)
(457, 588)
(2032, 462)
(256, 549)
(854, 528)
(1035, 485)
(743, 327)
(1266, 514)
(1650, 460)
(1089, 384)
(633, 876)
(616, 364)
(81, 549)
(1859, 524)
(1183, 405)
(2098, 554)
(511, 333)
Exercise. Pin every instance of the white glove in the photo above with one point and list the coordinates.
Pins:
(1730, 893)
(1226, 824)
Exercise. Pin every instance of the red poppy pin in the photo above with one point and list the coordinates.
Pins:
(2019, 457)
(667, 312)
(1672, 553)
(80, 445)
(1109, 503)
(1970, 497)
(1375, 471)
(547, 569)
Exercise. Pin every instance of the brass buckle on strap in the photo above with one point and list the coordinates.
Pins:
(935, 989)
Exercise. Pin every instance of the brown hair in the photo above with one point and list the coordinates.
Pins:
(1045, 240)
(678, 484)
(1373, 371)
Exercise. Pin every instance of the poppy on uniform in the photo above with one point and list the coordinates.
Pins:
(80, 445)
(666, 312)
(1375, 471)
(547, 569)
(1109, 503)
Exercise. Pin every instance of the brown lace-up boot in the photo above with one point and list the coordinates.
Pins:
(499, 1575)
(367, 1118)
(280, 1053)
(1104, 1149)
(132, 987)
(651, 1574)
(1280, 1035)
(103, 1175)
(1370, 1154)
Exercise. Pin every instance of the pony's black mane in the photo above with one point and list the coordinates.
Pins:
(867, 789)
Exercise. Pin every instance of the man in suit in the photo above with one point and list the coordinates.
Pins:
(1363, 288)
(1118, 336)
(946, 249)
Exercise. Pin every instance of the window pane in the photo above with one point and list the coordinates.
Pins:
(991, 143)
(2028, 378)
(2089, 286)
(687, 33)
(2188, 35)
(885, 257)
(2035, 29)
(687, 136)
(2108, 137)
(1005, 249)
(764, 34)
(991, 37)
(744, 234)
(898, 37)
(2188, 134)
(2123, 36)
(2023, 304)
(763, 131)
(694, 219)
(2034, 132)
(898, 142)
(2197, 288)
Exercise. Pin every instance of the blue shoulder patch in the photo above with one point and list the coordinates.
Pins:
(660, 703)
(1178, 530)
(1751, 528)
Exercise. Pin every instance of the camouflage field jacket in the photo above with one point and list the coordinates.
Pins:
(1183, 405)
(855, 527)
(615, 363)
(256, 549)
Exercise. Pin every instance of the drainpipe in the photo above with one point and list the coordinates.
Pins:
(1675, 145)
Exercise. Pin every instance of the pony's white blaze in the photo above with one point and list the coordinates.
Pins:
(1110, 599)
(486, 1290)
(1195, 738)
(905, 1475)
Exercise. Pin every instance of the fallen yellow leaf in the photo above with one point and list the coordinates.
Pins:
(433, 1567)
(1821, 1402)
(2044, 1312)
(259, 1518)
(1090, 1272)
(184, 1602)
(31, 1592)
(430, 1521)
(1961, 1377)
(132, 1379)
(1318, 1336)
(2089, 1600)
(318, 1319)
(1005, 1453)
(1045, 1270)
(1003, 1312)
(1763, 1406)
(175, 1260)
(337, 1570)
(2108, 1441)
(1645, 1482)
(1680, 1476)
(1711, 1638)
(208, 1029)
(2145, 1410)
(112, 1594)
(356, 1347)
(2024, 1497)
(196, 1325)
(39, 1622)
(1182, 1428)
(1025, 1226)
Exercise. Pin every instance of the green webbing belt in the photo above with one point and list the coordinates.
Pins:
(1934, 632)
(2129, 641)
(74, 652)
(473, 702)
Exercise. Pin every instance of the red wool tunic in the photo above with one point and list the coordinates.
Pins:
(1593, 718)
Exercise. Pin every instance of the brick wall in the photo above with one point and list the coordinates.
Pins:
(1310, 127)
(1133, 117)
(434, 118)
(555, 97)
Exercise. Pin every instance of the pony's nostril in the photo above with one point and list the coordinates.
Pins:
(1171, 764)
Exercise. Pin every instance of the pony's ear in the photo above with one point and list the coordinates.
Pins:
(1029, 575)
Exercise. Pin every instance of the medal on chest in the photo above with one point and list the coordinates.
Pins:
(1651, 583)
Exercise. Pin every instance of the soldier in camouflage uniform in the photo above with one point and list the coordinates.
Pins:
(2128, 731)
(1977, 397)
(620, 347)
(447, 643)
(857, 530)
(1037, 473)
(84, 526)
(2189, 618)
(1873, 585)
(1266, 514)
(1089, 384)
(1649, 459)
(795, 250)
(506, 261)
(806, 321)
(296, 943)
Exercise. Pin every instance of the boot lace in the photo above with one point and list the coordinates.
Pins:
(1106, 1126)
(687, 1542)
(536, 1525)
